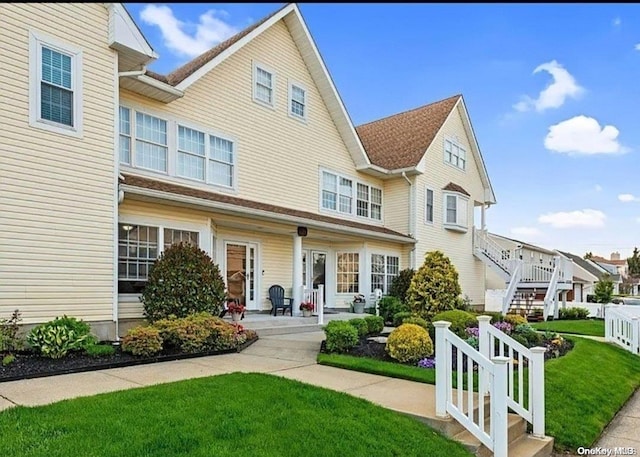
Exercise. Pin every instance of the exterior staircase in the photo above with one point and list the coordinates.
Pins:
(523, 276)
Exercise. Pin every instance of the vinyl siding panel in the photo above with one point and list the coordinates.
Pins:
(56, 191)
(457, 246)
(396, 205)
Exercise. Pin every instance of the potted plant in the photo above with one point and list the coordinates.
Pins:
(358, 304)
(237, 311)
(306, 308)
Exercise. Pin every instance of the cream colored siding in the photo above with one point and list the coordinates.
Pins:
(278, 157)
(457, 246)
(56, 191)
(396, 205)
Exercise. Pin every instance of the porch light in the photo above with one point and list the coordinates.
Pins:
(302, 231)
(127, 228)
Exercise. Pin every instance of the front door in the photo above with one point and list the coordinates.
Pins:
(240, 272)
(314, 268)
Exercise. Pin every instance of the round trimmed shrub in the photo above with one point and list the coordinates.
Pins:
(183, 281)
(459, 319)
(390, 306)
(142, 341)
(398, 318)
(360, 325)
(341, 336)
(375, 324)
(409, 343)
(416, 320)
(515, 319)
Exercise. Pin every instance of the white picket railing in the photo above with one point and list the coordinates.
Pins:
(315, 296)
(534, 272)
(512, 287)
(500, 256)
(492, 376)
(551, 297)
(622, 326)
(495, 343)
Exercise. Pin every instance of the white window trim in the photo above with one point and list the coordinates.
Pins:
(433, 204)
(354, 197)
(385, 255)
(461, 200)
(254, 91)
(359, 272)
(293, 115)
(172, 144)
(134, 138)
(36, 41)
(454, 141)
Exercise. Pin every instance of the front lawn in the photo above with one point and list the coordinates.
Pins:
(591, 327)
(229, 415)
(584, 389)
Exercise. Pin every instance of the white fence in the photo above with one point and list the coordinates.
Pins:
(622, 326)
(315, 296)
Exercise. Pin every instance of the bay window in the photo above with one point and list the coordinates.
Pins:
(455, 208)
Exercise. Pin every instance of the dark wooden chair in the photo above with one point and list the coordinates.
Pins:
(277, 298)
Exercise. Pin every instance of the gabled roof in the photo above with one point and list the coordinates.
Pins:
(456, 188)
(591, 267)
(599, 259)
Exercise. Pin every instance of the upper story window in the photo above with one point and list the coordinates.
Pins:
(456, 206)
(297, 101)
(455, 154)
(55, 101)
(169, 147)
(263, 84)
(428, 211)
(337, 194)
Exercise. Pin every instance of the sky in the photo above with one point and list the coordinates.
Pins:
(552, 91)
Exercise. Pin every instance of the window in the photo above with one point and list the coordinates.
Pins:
(263, 85)
(191, 153)
(338, 195)
(383, 269)
(297, 101)
(348, 273)
(363, 200)
(139, 247)
(221, 161)
(125, 135)
(346, 192)
(456, 207)
(429, 206)
(329, 190)
(455, 154)
(376, 203)
(55, 101)
(151, 142)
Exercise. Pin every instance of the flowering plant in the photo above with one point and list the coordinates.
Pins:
(504, 327)
(306, 306)
(429, 362)
(236, 308)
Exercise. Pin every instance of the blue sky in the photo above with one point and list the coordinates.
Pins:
(553, 101)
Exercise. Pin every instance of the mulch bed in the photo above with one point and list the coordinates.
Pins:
(28, 365)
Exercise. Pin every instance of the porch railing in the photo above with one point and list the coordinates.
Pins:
(315, 296)
(501, 257)
(622, 326)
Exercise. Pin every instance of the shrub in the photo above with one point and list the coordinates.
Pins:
(416, 320)
(398, 318)
(521, 339)
(199, 332)
(143, 341)
(341, 336)
(400, 284)
(515, 319)
(573, 313)
(8, 360)
(375, 324)
(56, 338)
(100, 350)
(9, 340)
(459, 319)
(360, 325)
(603, 290)
(532, 337)
(389, 306)
(409, 343)
(183, 281)
(434, 287)
(495, 316)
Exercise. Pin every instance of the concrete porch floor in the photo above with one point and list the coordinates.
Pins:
(268, 324)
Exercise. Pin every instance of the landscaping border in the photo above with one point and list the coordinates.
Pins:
(129, 363)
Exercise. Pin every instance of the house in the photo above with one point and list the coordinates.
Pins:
(246, 151)
(586, 275)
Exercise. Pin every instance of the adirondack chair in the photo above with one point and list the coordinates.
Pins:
(277, 298)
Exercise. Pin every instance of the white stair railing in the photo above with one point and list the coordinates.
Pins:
(489, 248)
(492, 377)
(534, 272)
(512, 287)
(622, 326)
(551, 297)
(495, 343)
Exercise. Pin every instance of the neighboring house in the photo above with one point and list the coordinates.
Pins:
(621, 265)
(246, 151)
(585, 275)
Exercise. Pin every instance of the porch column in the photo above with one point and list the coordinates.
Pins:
(296, 291)
(565, 295)
(483, 220)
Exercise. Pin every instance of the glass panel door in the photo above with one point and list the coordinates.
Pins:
(240, 268)
(319, 269)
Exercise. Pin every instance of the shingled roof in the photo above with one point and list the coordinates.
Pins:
(400, 140)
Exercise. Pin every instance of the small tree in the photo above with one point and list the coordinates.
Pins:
(588, 255)
(183, 281)
(434, 287)
(603, 289)
(633, 263)
(400, 284)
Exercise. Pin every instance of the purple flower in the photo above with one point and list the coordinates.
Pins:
(429, 362)
(503, 327)
(473, 331)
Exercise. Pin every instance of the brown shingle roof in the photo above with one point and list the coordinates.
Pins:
(146, 183)
(180, 74)
(400, 141)
(456, 188)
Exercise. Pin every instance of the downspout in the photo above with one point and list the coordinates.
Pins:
(411, 225)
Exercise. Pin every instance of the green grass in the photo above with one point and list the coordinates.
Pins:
(583, 389)
(591, 327)
(229, 415)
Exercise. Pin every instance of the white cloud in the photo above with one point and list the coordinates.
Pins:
(637, 47)
(638, 220)
(586, 218)
(564, 85)
(526, 231)
(628, 198)
(209, 31)
(598, 188)
(583, 135)
(616, 22)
